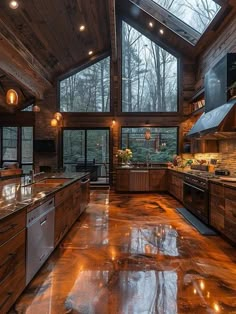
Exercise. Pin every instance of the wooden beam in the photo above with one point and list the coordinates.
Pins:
(17, 68)
(112, 18)
(27, 103)
(34, 64)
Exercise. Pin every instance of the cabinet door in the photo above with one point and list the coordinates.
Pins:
(122, 180)
(157, 180)
(217, 207)
(230, 214)
(12, 270)
(204, 146)
(61, 225)
(139, 180)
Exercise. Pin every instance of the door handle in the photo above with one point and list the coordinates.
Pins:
(43, 221)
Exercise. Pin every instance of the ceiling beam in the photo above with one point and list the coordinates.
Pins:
(17, 68)
(112, 18)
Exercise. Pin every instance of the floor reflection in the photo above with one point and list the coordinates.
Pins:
(134, 254)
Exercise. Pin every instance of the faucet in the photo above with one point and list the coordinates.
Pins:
(31, 174)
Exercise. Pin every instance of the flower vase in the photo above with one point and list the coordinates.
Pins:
(125, 164)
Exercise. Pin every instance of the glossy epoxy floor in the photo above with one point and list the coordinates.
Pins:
(134, 254)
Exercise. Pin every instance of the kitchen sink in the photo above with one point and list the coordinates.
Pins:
(53, 181)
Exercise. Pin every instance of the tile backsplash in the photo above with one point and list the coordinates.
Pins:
(226, 158)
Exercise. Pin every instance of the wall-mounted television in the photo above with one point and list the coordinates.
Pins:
(44, 146)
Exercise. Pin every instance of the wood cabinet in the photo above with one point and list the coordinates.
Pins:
(157, 180)
(204, 146)
(223, 210)
(175, 184)
(12, 265)
(217, 206)
(67, 209)
(122, 180)
(139, 180)
(230, 214)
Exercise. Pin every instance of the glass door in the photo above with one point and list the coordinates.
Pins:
(87, 150)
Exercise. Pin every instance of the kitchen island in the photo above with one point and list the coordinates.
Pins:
(33, 220)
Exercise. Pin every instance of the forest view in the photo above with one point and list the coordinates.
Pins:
(87, 90)
(196, 13)
(149, 74)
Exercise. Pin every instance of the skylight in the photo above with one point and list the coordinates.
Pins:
(198, 14)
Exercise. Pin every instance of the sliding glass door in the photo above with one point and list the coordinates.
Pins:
(87, 150)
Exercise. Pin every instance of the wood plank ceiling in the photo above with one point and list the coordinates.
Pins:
(41, 40)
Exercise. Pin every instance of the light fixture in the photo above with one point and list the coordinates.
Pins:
(82, 28)
(54, 122)
(147, 134)
(12, 97)
(113, 121)
(161, 31)
(58, 116)
(36, 108)
(13, 4)
(150, 24)
(90, 52)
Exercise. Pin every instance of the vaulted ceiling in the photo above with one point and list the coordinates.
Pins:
(41, 39)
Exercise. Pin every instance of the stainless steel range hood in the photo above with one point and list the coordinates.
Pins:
(217, 123)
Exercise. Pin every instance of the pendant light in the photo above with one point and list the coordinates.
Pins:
(54, 122)
(147, 134)
(12, 97)
(58, 116)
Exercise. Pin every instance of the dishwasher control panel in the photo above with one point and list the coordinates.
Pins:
(39, 211)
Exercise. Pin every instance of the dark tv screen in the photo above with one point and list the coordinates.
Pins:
(44, 146)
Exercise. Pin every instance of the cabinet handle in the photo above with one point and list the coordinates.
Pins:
(9, 294)
(43, 221)
(12, 226)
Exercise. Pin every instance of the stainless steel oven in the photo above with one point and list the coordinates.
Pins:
(195, 197)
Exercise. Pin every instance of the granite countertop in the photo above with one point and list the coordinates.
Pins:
(15, 196)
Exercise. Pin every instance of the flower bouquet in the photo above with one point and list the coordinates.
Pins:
(125, 155)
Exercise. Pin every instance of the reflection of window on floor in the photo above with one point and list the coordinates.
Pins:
(87, 149)
(160, 146)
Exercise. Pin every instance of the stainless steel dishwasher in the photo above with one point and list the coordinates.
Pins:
(40, 237)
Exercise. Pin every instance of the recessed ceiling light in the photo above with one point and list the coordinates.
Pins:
(161, 31)
(90, 52)
(82, 28)
(13, 5)
(150, 24)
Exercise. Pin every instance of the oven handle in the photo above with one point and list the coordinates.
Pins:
(195, 187)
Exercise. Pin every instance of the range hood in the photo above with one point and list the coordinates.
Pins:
(218, 123)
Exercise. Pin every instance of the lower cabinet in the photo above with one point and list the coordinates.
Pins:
(12, 270)
(175, 184)
(141, 180)
(157, 180)
(223, 210)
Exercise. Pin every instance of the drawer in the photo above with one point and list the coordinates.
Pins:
(217, 190)
(10, 226)
(12, 270)
(230, 194)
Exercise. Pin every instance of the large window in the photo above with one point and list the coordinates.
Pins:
(196, 13)
(17, 146)
(149, 74)
(160, 147)
(87, 90)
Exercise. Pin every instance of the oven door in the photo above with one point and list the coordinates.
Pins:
(195, 200)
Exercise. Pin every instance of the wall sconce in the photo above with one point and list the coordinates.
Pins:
(54, 122)
(113, 122)
(57, 117)
(147, 134)
(36, 108)
(12, 97)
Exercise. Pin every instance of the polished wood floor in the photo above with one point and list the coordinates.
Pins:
(134, 254)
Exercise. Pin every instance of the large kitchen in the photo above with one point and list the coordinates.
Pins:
(118, 156)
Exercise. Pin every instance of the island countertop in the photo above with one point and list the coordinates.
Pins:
(14, 196)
